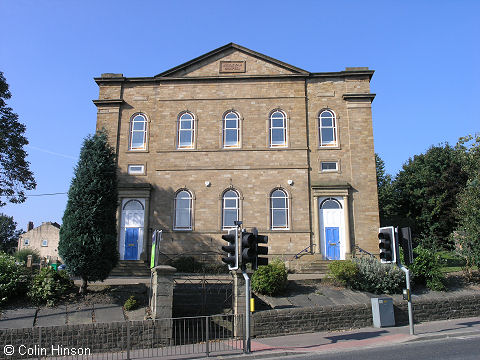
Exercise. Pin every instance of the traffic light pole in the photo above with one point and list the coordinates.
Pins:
(409, 298)
(247, 348)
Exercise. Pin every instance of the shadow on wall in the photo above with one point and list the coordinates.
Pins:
(204, 247)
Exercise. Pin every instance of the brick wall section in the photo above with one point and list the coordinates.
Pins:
(328, 318)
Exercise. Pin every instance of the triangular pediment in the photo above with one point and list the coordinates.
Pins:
(232, 60)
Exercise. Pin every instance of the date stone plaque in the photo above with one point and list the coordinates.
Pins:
(232, 67)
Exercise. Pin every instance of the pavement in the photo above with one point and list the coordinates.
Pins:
(324, 342)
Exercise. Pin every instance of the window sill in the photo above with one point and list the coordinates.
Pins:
(337, 147)
(137, 151)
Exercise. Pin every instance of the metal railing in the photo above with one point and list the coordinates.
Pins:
(306, 250)
(363, 252)
(166, 338)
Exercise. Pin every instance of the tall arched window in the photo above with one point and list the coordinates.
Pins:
(279, 209)
(183, 211)
(138, 132)
(231, 130)
(278, 129)
(327, 128)
(230, 207)
(186, 131)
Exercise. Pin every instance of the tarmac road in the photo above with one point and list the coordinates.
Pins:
(453, 348)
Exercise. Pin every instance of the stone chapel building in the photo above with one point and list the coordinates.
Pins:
(235, 134)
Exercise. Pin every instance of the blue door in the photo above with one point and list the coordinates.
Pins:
(131, 243)
(333, 243)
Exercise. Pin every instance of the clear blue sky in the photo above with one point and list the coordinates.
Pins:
(426, 55)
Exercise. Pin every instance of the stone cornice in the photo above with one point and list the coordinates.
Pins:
(349, 97)
(108, 102)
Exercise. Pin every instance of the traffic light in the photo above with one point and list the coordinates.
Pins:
(232, 249)
(386, 244)
(405, 242)
(248, 248)
(260, 250)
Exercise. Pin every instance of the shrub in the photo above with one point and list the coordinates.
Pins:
(49, 286)
(270, 279)
(21, 255)
(13, 279)
(378, 278)
(131, 303)
(426, 269)
(345, 272)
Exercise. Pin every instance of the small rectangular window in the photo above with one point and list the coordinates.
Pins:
(329, 166)
(44, 242)
(136, 169)
(26, 242)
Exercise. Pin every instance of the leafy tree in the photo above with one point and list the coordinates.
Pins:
(468, 230)
(386, 194)
(8, 234)
(15, 174)
(88, 236)
(427, 189)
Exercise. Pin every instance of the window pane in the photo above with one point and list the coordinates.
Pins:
(279, 218)
(186, 124)
(231, 137)
(278, 136)
(329, 166)
(185, 138)
(331, 204)
(327, 136)
(231, 116)
(182, 218)
(231, 203)
(138, 125)
(229, 216)
(183, 203)
(186, 116)
(133, 205)
(277, 123)
(230, 124)
(327, 122)
(279, 203)
(277, 114)
(137, 139)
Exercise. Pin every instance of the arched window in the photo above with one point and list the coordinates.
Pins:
(138, 132)
(133, 205)
(183, 211)
(327, 128)
(186, 131)
(230, 206)
(231, 130)
(278, 129)
(279, 209)
(330, 203)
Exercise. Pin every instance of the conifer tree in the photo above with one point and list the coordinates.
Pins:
(88, 236)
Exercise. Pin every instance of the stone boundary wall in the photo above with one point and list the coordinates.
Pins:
(97, 338)
(343, 317)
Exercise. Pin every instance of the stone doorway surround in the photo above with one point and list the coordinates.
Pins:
(135, 191)
(335, 190)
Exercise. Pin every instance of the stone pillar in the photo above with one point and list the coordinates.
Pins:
(162, 291)
(348, 244)
(161, 303)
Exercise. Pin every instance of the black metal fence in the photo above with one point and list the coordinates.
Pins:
(166, 338)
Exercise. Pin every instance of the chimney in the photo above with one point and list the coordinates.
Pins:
(30, 225)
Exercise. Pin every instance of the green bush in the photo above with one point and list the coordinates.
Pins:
(451, 259)
(131, 303)
(344, 272)
(270, 279)
(426, 269)
(49, 286)
(13, 278)
(21, 255)
(378, 278)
